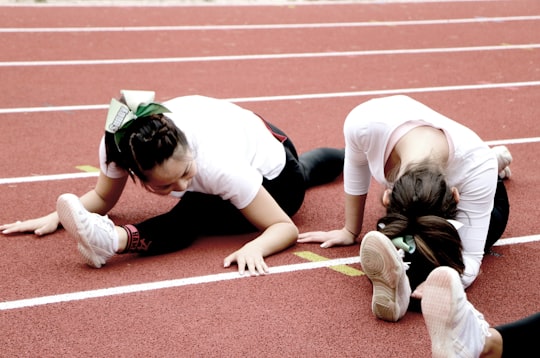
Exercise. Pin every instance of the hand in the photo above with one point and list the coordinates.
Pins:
(39, 226)
(328, 238)
(249, 256)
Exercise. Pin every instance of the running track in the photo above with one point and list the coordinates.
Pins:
(304, 67)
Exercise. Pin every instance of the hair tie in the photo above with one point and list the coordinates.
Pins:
(406, 243)
(121, 116)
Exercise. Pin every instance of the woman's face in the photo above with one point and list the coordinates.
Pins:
(175, 174)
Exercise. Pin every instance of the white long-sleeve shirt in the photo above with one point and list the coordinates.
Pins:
(471, 167)
(232, 147)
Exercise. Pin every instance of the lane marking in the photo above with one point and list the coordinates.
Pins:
(474, 20)
(125, 61)
(88, 168)
(300, 96)
(120, 290)
(38, 178)
(149, 286)
(517, 240)
(95, 173)
(344, 269)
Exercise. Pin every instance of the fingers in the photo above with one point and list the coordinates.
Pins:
(11, 228)
(313, 236)
(330, 243)
(36, 226)
(254, 266)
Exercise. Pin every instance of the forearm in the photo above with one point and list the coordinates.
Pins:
(275, 238)
(105, 194)
(354, 213)
(95, 203)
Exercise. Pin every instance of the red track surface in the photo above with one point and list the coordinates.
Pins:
(317, 312)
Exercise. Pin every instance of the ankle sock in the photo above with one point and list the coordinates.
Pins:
(134, 241)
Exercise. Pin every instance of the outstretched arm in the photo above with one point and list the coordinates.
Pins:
(278, 233)
(100, 200)
(354, 217)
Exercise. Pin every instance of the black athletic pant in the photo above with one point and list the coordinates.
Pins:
(520, 338)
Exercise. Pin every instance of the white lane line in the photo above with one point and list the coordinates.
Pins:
(197, 280)
(125, 61)
(517, 240)
(38, 178)
(300, 96)
(120, 290)
(272, 26)
(69, 176)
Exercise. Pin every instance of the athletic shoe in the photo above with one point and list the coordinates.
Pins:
(456, 328)
(504, 158)
(96, 236)
(384, 266)
(506, 173)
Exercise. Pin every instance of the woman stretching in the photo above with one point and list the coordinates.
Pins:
(234, 172)
(445, 203)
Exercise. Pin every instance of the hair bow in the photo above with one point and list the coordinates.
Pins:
(121, 116)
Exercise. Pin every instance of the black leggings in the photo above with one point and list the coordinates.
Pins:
(198, 214)
(520, 337)
(499, 215)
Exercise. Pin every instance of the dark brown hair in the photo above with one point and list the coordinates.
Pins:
(148, 142)
(420, 204)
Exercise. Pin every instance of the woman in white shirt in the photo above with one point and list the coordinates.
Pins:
(233, 171)
(442, 185)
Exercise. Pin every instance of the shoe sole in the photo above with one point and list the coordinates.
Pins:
(442, 292)
(384, 270)
(67, 207)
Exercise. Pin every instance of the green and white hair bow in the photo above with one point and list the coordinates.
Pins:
(121, 116)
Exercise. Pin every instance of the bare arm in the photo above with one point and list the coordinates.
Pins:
(354, 213)
(100, 200)
(105, 195)
(278, 233)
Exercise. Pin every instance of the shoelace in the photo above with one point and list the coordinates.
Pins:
(103, 222)
(401, 254)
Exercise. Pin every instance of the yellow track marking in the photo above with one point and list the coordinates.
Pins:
(344, 269)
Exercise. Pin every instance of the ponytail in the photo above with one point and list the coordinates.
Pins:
(420, 205)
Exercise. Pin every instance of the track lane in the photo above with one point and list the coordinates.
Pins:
(261, 316)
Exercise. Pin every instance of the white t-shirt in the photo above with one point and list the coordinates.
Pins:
(232, 146)
(472, 166)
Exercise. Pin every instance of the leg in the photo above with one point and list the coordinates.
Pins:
(320, 165)
(499, 215)
(455, 327)
(195, 215)
(504, 158)
(519, 338)
(384, 267)
(288, 189)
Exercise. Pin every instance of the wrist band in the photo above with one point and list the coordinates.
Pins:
(350, 232)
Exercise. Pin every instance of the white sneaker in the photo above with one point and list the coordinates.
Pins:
(455, 327)
(384, 266)
(96, 236)
(504, 158)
